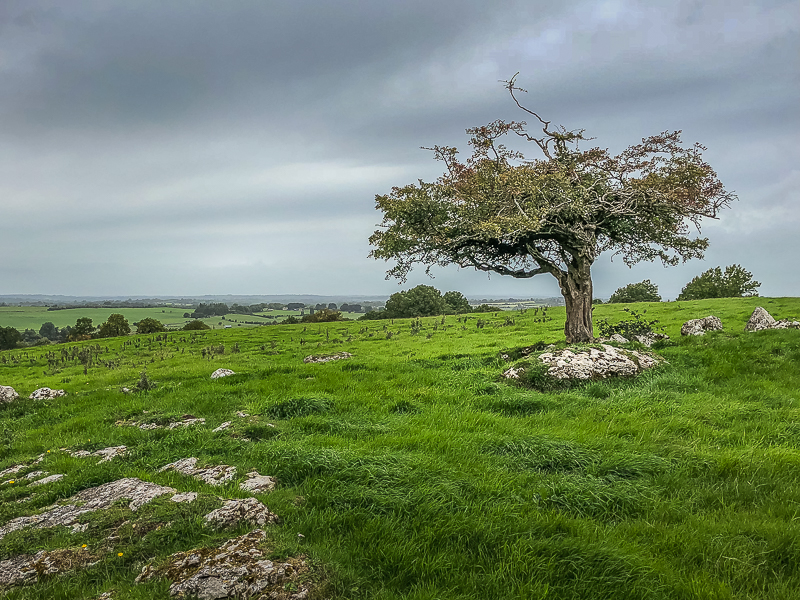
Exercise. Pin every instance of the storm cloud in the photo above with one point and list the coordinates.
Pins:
(157, 148)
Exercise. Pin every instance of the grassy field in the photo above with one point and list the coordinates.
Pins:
(415, 471)
(33, 317)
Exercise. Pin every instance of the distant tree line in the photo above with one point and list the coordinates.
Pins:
(424, 301)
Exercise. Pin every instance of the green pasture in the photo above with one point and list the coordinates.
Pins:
(415, 471)
(33, 317)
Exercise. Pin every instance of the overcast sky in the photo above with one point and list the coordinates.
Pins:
(178, 148)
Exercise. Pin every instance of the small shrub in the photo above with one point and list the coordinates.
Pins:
(145, 383)
(196, 325)
(636, 325)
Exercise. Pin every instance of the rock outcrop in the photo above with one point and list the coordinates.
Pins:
(216, 475)
(237, 569)
(258, 484)
(138, 493)
(700, 326)
(25, 569)
(106, 454)
(761, 320)
(222, 373)
(323, 358)
(236, 511)
(46, 393)
(593, 363)
(7, 394)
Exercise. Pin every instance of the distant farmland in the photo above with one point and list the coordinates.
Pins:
(33, 317)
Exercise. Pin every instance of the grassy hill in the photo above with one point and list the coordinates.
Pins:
(413, 470)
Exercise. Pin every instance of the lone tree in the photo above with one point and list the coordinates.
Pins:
(555, 214)
(735, 282)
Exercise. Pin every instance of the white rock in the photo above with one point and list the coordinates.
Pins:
(323, 358)
(258, 484)
(89, 500)
(221, 373)
(761, 320)
(619, 339)
(46, 393)
(12, 470)
(700, 326)
(216, 475)
(7, 394)
(48, 479)
(222, 427)
(187, 497)
(186, 423)
(596, 363)
(233, 512)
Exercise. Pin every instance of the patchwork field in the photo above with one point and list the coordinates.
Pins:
(33, 317)
(412, 469)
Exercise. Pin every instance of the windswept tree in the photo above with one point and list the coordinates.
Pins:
(555, 214)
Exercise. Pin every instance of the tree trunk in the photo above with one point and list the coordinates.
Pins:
(576, 287)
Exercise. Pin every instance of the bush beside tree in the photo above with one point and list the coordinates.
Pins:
(196, 325)
(116, 325)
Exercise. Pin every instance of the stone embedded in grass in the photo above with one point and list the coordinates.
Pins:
(761, 320)
(46, 393)
(12, 470)
(187, 422)
(48, 479)
(591, 363)
(236, 511)
(106, 453)
(138, 493)
(222, 427)
(237, 569)
(221, 373)
(26, 568)
(35, 474)
(323, 358)
(700, 326)
(185, 497)
(7, 394)
(212, 475)
(259, 484)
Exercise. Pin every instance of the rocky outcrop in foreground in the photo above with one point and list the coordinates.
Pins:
(592, 363)
(761, 320)
(700, 326)
(237, 569)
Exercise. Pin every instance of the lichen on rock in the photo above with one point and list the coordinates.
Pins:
(323, 358)
(236, 511)
(26, 568)
(237, 569)
(700, 326)
(216, 475)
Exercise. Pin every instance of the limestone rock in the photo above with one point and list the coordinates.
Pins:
(35, 474)
(138, 492)
(7, 394)
(513, 372)
(259, 484)
(596, 364)
(761, 320)
(221, 373)
(185, 497)
(12, 470)
(237, 569)
(222, 427)
(106, 453)
(618, 339)
(24, 569)
(46, 394)
(323, 358)
(650, 338)
(212, 475)
(233, 512)
(187, 421)
(700, 326)
(48, 479)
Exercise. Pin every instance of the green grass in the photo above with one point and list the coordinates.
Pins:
(414, 471)
(33, 317)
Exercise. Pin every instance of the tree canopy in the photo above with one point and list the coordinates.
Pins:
(644, 291)
(735, 282)
(150, 325)
(556, 214)
(115, 326)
